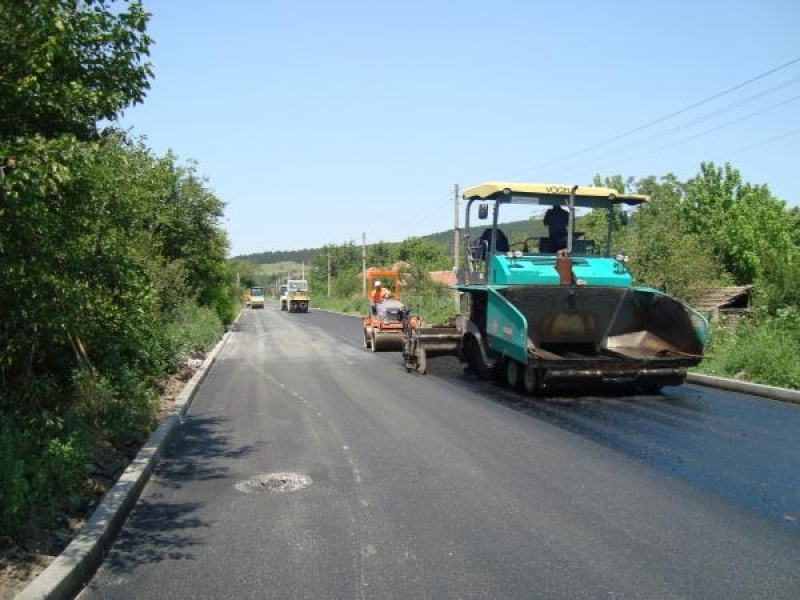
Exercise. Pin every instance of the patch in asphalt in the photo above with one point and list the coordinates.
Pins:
(275, 482)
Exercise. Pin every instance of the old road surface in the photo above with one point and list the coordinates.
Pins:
(308, 467)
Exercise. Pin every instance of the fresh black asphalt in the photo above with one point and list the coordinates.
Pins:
(307, 467)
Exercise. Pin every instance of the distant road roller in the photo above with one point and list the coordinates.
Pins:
(255, 297)
(558, 311)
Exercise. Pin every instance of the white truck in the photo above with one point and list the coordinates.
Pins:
(294, 295)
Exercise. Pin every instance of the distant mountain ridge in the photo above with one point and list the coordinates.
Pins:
(443, 238)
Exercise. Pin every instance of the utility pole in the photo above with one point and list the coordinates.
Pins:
(364, 263)
(329, 274)
(456, 242)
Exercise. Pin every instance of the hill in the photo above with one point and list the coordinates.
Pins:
(295, 258)
(280, 256)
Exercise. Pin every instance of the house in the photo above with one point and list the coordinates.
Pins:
(443, 277)
(729, 304)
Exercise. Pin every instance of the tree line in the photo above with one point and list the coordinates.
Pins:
(112, 260)
(714, 229)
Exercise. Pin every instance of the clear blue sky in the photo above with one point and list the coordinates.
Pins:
(317, 121)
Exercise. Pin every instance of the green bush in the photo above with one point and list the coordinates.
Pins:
(118, 407)
(757, 350)
(226, 305)
(15, 492)
(352, 305)
(44, 463)
(423, 296)
(45, 458)
(191, 329)
(435, 308)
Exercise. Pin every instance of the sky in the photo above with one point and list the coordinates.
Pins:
(318, 121)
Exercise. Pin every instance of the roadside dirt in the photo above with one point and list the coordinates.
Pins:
(22, 563)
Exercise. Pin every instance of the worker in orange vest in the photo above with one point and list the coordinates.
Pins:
(377, 296)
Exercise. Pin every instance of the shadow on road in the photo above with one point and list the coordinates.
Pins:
(194, 452)
(159, 529)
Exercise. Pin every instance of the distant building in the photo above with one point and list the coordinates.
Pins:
(443, 277)
(728, 304)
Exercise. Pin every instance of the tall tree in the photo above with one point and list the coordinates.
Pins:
(345, 263)
(379, 255)
(67, 64)
(664, 253)
(743, 223)
(424, 254)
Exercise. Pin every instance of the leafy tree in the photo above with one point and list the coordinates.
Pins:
(380, 254)
(743, 223)
(188, 227)
(67, 64)
(594, 225)
(667, 191)
(101, 244)
(423, 254)
(345, 264)
(778, 284)
(616, 182)
(793, 224)
(75, 261)
(664, 252)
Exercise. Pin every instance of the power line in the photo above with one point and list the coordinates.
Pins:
(759, 144)
(437, 207)
(702, 133)
(708, 116)
(747, 147)
(661, 119)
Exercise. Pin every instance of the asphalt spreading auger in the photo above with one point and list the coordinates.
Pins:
(564, 313)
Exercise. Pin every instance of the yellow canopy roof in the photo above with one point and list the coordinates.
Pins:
(549, 192)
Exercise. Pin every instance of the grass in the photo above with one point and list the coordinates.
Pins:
(763, 350)
(349, 306)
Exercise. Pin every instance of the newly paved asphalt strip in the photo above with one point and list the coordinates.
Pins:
(65, 576)
(70, 571)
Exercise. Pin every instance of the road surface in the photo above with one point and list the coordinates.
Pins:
(308, 467)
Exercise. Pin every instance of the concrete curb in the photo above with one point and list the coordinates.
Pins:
(745, 387)
(67, 574)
